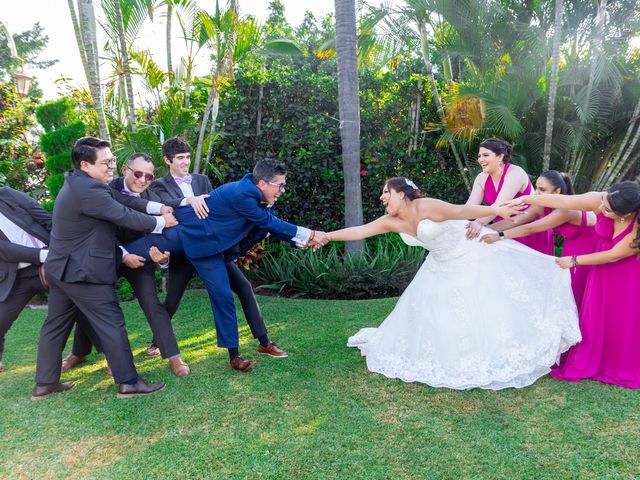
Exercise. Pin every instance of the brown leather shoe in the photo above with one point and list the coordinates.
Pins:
(272, 350)
(72, 361)
(239, 363)
(152, 351)
(178, 367)
(142, 387)
(43, 278)
(40, 393)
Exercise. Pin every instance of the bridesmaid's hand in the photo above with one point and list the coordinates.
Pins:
(517, 202)
(473, 229)
(564, 262)
(490, 238)
(510, 211)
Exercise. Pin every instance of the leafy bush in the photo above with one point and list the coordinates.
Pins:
(384, 269)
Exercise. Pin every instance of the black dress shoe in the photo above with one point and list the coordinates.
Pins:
(141, 387)
(42, 392)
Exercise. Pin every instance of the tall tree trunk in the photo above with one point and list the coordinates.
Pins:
(212, 132)
(426, 57)
(626, 163)
(79, 42)
(349, 106)
(258, 120)
(213, 94)
(168, 40)
(89, 39)
(125, 63)
(553, 85)
(415, 118)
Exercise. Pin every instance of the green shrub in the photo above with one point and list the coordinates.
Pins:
(384, 269)
(54, 114)
(62, 139)
(59, 162)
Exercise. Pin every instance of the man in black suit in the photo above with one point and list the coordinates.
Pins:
(179, 188)
(81, 270)
(137, 174)
(24, 235)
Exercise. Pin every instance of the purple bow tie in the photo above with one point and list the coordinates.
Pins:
(186, 179)
(131, 194)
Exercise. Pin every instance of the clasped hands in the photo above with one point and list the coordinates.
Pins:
(318, 239)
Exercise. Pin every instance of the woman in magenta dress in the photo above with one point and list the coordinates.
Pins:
(609, 323)
(577, 227)
(498, 182)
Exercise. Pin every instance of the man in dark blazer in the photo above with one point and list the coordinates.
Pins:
(179, 188)
(24, 235)
(238, 215)
(81, 270)
(137, 174)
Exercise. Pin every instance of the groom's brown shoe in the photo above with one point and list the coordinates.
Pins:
(272, 350)
(72, 361)
(141, 387)
(239, 363)
(42, 392)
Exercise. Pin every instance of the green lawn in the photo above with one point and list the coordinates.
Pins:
(317, 414)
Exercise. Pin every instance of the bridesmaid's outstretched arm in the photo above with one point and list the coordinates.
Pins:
(621, 250)
(586, 201)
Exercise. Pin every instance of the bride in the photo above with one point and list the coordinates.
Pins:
(475, 315)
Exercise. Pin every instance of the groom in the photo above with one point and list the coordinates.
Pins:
(238, 218)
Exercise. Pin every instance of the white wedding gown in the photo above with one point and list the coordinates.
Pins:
(475, 315)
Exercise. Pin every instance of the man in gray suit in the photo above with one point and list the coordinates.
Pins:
(81, 270)
(24, 235)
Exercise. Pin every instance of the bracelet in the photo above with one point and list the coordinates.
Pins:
(313, 234)
(574, 260)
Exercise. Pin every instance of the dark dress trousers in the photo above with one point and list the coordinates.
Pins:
(143, 282)
(181, 271)
(81, 270)
(236, 218)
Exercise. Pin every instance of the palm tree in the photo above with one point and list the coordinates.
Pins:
(553, 84)
(349, 107)
(89, 49)
(125, 63)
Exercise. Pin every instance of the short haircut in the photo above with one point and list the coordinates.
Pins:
(136, 155)
(87, 149)
(267, 170)
(175, 146)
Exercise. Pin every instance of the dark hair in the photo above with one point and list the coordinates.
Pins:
(624, 197)
(174, 146)
(559, 180)
(404, 185)
(267, 169)
(144, 156)
(86, 149)
(499, 147)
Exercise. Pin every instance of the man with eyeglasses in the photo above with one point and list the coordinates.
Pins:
(137, 175)
(81, 269)
(239, 217)
(179, 188)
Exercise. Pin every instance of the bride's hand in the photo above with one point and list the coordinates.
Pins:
(490, 238)
(507, 211)
(473, 229)
(521, 202)
(564, 262)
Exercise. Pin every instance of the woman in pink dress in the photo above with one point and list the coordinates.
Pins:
(609, 312)
(577, 227)
(499, 182)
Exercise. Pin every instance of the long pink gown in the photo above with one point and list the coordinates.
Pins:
(578, 240)
(540, 241)
(609, 351)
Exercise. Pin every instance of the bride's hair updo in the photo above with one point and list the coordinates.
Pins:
(499, 147)
(406, 186)
(559, 180)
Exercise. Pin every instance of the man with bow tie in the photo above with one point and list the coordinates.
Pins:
(179, 188)
(137, 175)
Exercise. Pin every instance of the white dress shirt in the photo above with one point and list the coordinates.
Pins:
(17, 235)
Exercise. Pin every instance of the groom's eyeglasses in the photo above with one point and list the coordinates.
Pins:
(281, 186)
(138, 174)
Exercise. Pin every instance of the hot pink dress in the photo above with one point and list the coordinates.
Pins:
(578, 240)
(609, 322)
(540, 241)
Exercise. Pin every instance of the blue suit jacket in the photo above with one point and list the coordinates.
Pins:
(237, 216)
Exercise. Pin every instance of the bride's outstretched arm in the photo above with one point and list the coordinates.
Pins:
(378, 226)
(586, 201)
(438, 210)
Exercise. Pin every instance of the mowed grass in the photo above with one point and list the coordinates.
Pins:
(317, 414)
